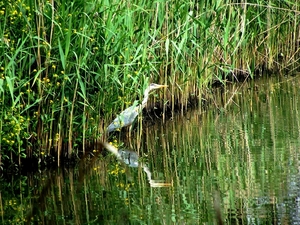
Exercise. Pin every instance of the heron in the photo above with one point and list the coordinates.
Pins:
(128, 116)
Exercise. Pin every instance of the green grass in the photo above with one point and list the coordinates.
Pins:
(68, 67)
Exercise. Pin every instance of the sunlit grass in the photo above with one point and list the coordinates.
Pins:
(67, 68)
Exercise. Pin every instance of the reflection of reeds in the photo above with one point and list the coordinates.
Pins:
(241, 149)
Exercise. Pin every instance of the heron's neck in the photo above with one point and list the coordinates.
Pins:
(146, 96)
(145, 100)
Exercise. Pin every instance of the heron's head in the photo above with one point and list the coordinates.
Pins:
(153, 86)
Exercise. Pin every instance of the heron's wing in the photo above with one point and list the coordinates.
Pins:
(125, 118)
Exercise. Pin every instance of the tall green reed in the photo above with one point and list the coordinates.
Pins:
(73, 66)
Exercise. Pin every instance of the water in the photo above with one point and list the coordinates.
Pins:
(239, 159)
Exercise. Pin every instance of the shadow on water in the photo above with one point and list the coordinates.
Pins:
(237, 164)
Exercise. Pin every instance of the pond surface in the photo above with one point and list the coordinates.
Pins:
(237, 161)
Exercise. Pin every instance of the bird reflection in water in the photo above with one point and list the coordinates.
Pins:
(131, 159)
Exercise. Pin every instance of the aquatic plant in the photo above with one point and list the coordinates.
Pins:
(67, 68)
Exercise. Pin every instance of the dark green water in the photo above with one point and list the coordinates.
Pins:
(239, 158)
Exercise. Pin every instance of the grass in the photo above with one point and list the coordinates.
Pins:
(67, 68)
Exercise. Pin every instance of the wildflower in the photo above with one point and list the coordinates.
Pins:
(56, 136)
(126, 201)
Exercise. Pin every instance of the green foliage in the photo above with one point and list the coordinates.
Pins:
(68, 66)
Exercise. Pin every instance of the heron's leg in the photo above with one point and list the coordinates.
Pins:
(129, 135)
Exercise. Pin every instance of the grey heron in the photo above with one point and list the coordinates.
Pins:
(128, 116)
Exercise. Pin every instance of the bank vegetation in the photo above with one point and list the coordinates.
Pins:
(68, 67)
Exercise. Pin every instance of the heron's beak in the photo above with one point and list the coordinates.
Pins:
(161, 86)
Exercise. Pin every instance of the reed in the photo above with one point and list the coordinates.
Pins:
(67, 67)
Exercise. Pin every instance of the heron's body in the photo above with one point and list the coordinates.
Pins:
(128, 116)
(125, 118)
